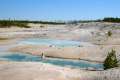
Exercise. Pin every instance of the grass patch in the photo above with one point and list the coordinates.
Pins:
(42, 26)
(115, 27)
(3, 38)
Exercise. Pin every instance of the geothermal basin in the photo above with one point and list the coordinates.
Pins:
(24, 57)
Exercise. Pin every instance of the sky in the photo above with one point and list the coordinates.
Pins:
(59, 9)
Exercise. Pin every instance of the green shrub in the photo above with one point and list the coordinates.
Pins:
(109, 33)
(42, 26)
(111, 60)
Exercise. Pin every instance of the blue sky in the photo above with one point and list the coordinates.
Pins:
(59, 9)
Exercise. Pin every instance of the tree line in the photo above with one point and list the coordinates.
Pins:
(111, 19)
(23, 23)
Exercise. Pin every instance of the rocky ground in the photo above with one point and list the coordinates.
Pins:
(92, 33)
(40, 71)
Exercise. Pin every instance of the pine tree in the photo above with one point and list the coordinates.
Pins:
(111, 60)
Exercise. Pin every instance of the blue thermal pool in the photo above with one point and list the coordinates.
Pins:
(55, 42)
(20, 57)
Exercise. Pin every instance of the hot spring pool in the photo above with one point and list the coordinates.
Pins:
(20, 57)
(55, 42)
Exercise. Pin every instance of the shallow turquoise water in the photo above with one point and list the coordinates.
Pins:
(61, 62)
(38, 41)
